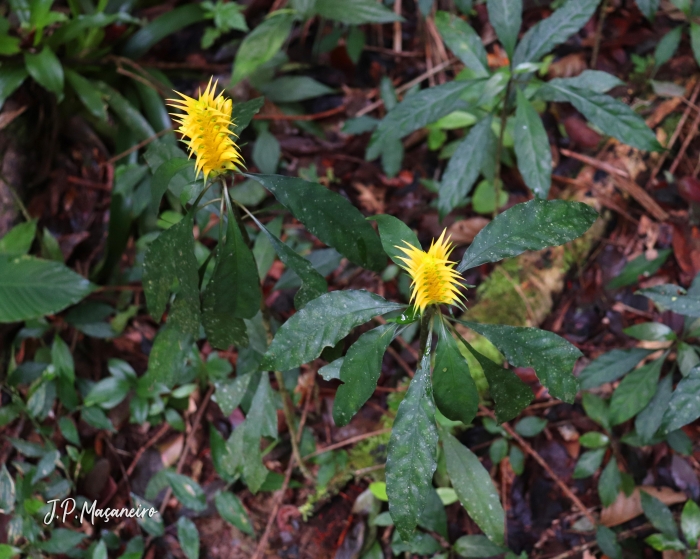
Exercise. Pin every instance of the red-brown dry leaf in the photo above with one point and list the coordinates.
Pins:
(686, 247)
(568, 66)
(626, 508)
(464, 231)
(578, 130)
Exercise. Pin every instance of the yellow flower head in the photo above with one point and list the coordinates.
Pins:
(205, 123)
(435, 281)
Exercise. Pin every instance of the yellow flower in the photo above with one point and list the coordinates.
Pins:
(205, 123)
(435, 281)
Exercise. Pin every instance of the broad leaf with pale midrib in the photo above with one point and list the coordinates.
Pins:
(532, 148)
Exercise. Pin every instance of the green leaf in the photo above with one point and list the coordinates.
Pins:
(261, 44)
(95, 417)
(232, 511)
(107, 393)
(550, 355)
(597, 409)
(542, 37)
(673, 298)
(477, 546)
(690, 522)
(11, 77)
(533, 225)
(532, 148)
(170, 22)
(634, 392)
(229, 393)
(167, 358)
(46, 69)
(510, 394)
(360, 372)
(695, 40)
(243, 113)
(613, 117)
(506, 18)
(378, 489)
(419, 543)
(187, 491)
(323, 322)
(7, 491)
(474, 488)
(151, 524)
(684, 407)
(650, 418)
(456, 395)
(412, 453)
(434, 518)
(87, 94)
(611, 366)
(464, 42)
(659, 515)
(61, 541)
(640, 266)
(415, 112)
(686, 357)
(395, 233)
(166, 172)
(291, 89)
(588, 463)
(188, 536)
(662, 542)
(517, 460)
(233, 292)
(171, 257)
(530, 426)
(18, 240)
(667, 46)
(648, 8)
(498, 451)
(330, 217)
(356, 12)
(31, 288)
(127, 113)
(591, 80)
(99, 551)
(594, 439)
(313, 283)
(266, 152)
(607, 541)
(69, 430)
(651, 331)
(609, 483)
(465, 165)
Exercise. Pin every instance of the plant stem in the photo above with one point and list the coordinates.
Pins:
(599, 33)
(499, 148)
(425, 329)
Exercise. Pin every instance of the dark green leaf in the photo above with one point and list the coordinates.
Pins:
(530, 426)
(477, 546)
(462, 40)
(613, 117)
(95, 417)
(611, 366)
(169, 257)
(550, 355)
(609, 483)
(542, 37)
(232, 511)
(607, 541)
(588, 463)
(330, 217)
(167, 357)
(419, 543)
(594, 439)
(684, 407)
(690, 522)
(18, 240)
(61, 541)
(674, 298)
(456, 395)
(659, 515)
(170, 22)
(434, 518)
(640, 266)
(506, 18)
(415, 112)
(360, 371)
(187, 491)
(395, 233)
(650, 418)
(533, 225)
(126, 112)
(356, 12)
(597, 409)
(648, 7)
(243, 113)
(46, 465)
(11, 77)
(69, 430)
(290, 89)
(667, 46)
(7, 491)
(474, 487)
(88, 95)
(591, 80)
(151, 524)
(46, 69)
(332, 370)
(261, 44)
(634, 392)
(323, 322)
(31, 288)
(650, 331)
(107, 393)
(498, 451)
(532, 147)
(517, 460)
(165, 173)
(266, 152)
(188, 536)
(229, 393)
(392, 157)
(412, 453)
(695, 40)
(465, 165)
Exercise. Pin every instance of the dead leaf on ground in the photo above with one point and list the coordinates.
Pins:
(626, 508)
(371, 198)
(463, 232)
(686, 247)
(171, 450)
(568, 66)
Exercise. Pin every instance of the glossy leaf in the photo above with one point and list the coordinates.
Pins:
(506, 18)
(690, 522)
(464, 42)
(651, 331)
(18, 240)
(474, 487)
(530, 426)
(360, 371)
(550, 355)
(607, 541)
(165, 173)
(648, 8)
(46, 69)
(533, 225)
(127, 113)
(187, 491)
(188, 535)
(542, 37)
(667, 46)
(613, 117)
(611, 366)
(415, 112)
(395, 233)
(455, 392)
(87, 94)
(640, 266)
(591, 80)
(609, 483)
(434, 518)
(532, 148)
(330, 217)
(229, 393)
(356, 12)
(659, 515)
(650, 418)
(291, 89)
(232, 511)
(634, 392)
(61, 541)
(11, 77)
(31, 288)
(243, 113)
(674, 298)
(477, 546)
(684, 407)
(588, 463)
(465, 165)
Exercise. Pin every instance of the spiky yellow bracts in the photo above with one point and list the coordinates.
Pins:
(435, 281)
(205, 125)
